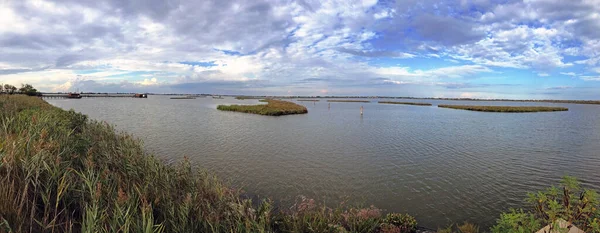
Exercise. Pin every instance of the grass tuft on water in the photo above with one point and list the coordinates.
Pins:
(349, 101)
(515, 109)
(304, 100)
(407, 103)
(272, 108)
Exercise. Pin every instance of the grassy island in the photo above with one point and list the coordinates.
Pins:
(272, 108)
(349, 101)
(505, 108)
(301, 100)
(245, 97)
(407, 103)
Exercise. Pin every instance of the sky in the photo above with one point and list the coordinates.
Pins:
(530, 49)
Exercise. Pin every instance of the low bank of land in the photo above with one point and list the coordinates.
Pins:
(309, 100)
(407, 103)
(349, 101)
(505, 108)
(272, 108)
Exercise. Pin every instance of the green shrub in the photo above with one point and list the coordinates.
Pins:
(403, 222)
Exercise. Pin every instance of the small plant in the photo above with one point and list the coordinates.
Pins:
(571, 203)
(468, 228)
(403, 222)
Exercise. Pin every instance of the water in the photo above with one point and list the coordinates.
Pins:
(440, 165)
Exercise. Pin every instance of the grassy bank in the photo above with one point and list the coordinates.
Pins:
(301, 100)
(272, 108)
(516, 109)
(407, 103)
(349, 101)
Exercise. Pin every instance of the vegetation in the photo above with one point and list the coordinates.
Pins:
(28, 90)
(407, 103)
(570, 203)
(505, 108)
(308, 100)
(244, 97)
(350, 101)
(25, 89)
(272, 108)
(464, 228)
(9, 89)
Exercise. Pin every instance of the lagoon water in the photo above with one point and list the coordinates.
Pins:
(440, 165)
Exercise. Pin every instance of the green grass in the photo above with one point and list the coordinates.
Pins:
(407, 103)
(61, 172)
(245, 97)
(505, 108)
(272, 108)
(308, 100)
(349, 101)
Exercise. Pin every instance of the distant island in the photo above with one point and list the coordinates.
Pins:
(505, 108)
(406, 103)
(272, 108)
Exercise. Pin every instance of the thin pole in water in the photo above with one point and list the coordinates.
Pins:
(361, 110)
(329, 106)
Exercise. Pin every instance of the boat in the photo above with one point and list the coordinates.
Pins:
(74, 96)
(141, 95)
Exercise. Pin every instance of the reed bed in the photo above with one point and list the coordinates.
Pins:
(246, 97)
(407, 103)
(350, 101)
(272, 108)
(61, 172)
(301, 100)
(515, 109)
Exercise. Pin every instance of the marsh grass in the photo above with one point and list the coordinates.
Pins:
(515, 109)
(245, 97)
(272, 108)
(349, 101)
(301, 100)
(407, 103)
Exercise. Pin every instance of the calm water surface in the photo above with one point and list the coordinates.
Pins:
(440, 165)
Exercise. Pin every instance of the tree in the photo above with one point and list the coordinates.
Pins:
(10, 89)
(27, 89)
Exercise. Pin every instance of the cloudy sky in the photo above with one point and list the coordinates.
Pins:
(424, 48)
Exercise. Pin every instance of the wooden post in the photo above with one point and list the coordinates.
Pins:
(361, 110)
(329, 106)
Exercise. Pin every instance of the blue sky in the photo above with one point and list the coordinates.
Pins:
(538, 49)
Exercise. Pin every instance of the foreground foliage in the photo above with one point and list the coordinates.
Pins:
(505, 108)
(272, 108)
(406, 103)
